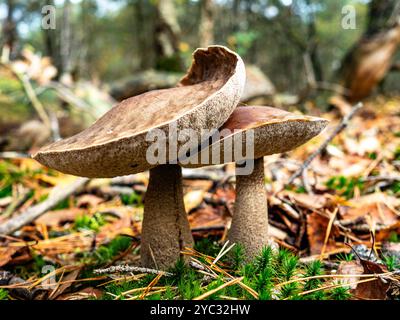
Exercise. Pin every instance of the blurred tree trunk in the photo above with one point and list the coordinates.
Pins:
(305, 39)
(167, 39)
(9, 30)
(88, 11)
(312, 46)
(369, 60)
(51, 48)
(235, 12)
(65, 44)
(206, 26)
(144, 22)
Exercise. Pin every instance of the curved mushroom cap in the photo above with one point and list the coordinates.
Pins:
(273, 131)
(116, 144)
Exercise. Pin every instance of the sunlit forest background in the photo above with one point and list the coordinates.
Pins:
(127, 47)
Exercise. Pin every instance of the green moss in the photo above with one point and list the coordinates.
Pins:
(208, 246)
(89, 223)
(397, 154)
(372, 155)
(3, 294)
(345, 186)
(394, 237)
(104, 254)
(131, 199)
(340, 293)
(345, 257)
(395, 187)
(263, 275)
(313, 269)
(108, 252)
(236, 258)
(391, 262)
(64, 204)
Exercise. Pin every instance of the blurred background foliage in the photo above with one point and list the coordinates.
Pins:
(113, 39)
(104, 51)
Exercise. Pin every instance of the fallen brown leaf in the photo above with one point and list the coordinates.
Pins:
(309, 201)
(374, 205)
(58, 217)
(88, 200)
(372, 290)
(67, 281)
(350, 268)
(81, 294)
(14, 255)
(316, 232)
(206, 217)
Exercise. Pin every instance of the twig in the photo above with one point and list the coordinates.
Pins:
(337, 276)
(59, 193)
(226, 284)
(334, 87)
(55, 127)
(13, 155)
(328, 231)
(305, 182)
(223, 251)
(339, 128)
(126, 268)
(393, 178)
(33, 98)
(16, 203)
(334, 286)
(68, 96)
(204, 174)
(150, 286)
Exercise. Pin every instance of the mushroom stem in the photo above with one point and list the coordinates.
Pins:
(165, 228)
(250, 217)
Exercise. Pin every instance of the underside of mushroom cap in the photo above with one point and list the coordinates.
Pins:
(274, 131)
(116, 144)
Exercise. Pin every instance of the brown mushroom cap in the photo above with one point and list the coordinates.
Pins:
(275, 131)
(116, 143)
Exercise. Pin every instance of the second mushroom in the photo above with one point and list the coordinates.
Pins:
(263, 131)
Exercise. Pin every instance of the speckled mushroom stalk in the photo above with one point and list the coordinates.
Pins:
(275, 131)
(117, 144)
(165, 229)
(249, 225)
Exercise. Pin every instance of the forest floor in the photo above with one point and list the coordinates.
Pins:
(338, 228)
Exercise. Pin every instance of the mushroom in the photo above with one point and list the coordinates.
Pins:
(265, 131)
(118, 144)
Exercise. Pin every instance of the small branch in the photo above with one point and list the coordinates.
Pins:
(339, 128)
(33, 98)
(59, 193)
(126, 269)
(393, 178)
(13, 155)
(55, 127)
(16, 203)
(334, 87)
(204, 174)
(68, 96)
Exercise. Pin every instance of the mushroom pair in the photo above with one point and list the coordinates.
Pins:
(204, 100)
(118, 143)
(268, 131)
